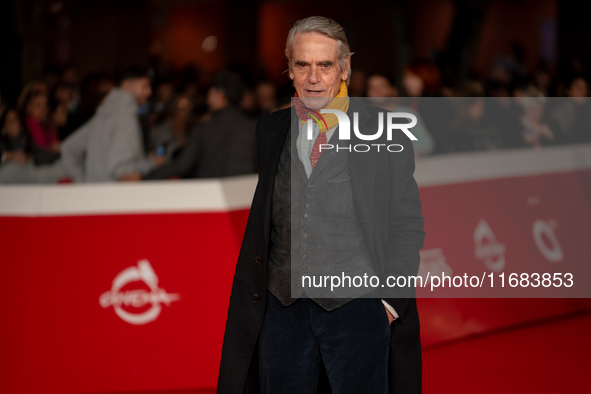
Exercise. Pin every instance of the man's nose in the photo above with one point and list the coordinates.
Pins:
(313, 75)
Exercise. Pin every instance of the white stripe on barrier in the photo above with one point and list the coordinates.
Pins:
(129, 198)
(479, 166)
(237, 192)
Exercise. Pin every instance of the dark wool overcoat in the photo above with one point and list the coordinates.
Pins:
(388, 208)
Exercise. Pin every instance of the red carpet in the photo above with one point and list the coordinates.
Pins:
(551, 356)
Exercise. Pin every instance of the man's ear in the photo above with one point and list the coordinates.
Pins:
(345, 72)
(291, 75)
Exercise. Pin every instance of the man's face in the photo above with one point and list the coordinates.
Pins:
(140, 88)
(216, 99)
(315, 69)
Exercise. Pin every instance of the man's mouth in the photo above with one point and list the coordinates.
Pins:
(314, 93)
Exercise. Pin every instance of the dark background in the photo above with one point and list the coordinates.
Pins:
(465, 38)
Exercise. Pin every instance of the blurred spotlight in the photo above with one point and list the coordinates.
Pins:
(209, 44)
(56, 7)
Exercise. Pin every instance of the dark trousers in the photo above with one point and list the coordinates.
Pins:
(353, 341)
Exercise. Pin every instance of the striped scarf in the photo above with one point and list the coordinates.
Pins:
(309, 150)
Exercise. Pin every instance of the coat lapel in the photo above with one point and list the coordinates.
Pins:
(362, 166)
(273, 146)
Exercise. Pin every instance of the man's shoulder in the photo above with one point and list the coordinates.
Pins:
(362, 105)
(272, 120)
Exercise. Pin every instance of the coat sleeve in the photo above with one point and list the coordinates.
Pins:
(126, 154)
(405, 222)
(73, 151)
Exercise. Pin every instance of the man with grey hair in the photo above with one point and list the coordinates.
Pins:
(316, 211)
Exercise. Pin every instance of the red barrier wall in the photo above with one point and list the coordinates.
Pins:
(132, 295)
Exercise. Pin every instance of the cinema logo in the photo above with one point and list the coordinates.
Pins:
(345, 130)
(487, 248)
(138, 298)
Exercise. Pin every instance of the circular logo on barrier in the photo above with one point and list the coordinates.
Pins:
(552, 251)
(139, 298)
(487, 248)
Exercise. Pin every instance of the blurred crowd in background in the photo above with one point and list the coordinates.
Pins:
(189, 126)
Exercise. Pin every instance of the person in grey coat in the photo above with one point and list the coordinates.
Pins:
(109, 146)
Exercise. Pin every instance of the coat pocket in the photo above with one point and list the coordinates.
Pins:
(339, 178)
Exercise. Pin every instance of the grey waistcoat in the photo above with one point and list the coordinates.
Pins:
(319, 233)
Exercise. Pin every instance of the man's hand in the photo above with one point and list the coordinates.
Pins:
(390, 316)
(132, 176)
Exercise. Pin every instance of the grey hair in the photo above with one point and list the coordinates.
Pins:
(324, 26)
